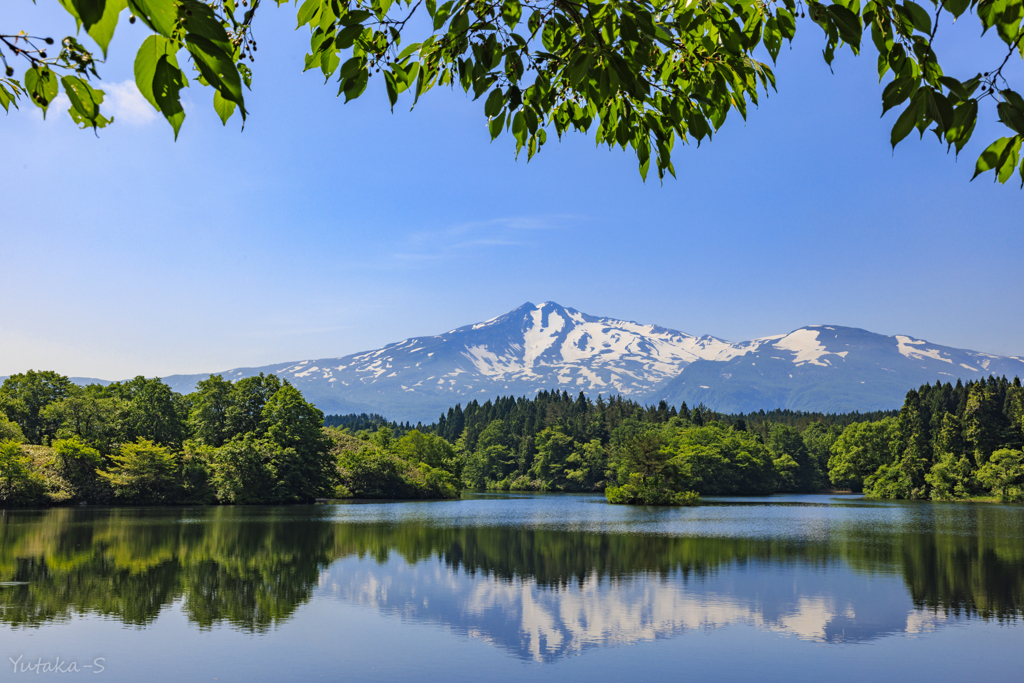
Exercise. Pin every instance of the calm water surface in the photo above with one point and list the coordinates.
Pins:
(517, 587)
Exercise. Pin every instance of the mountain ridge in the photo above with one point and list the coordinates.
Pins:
(827, 368)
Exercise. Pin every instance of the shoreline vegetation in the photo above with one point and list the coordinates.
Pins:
(258, 441)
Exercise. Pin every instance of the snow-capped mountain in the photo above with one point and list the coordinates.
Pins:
(828, 368)
(548, 346)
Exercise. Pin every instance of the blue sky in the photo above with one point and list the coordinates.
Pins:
(324, 229)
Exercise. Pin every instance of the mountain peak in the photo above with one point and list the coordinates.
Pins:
(548, 346)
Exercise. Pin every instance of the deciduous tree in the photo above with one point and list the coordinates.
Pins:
(644, 74)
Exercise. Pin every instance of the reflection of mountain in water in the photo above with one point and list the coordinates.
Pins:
(541, 593)
(544, 623)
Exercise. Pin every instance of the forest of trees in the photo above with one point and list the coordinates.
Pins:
(253, 441)
(257, 441)
(946, 443)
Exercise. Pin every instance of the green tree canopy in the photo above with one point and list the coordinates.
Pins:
(1003, 474)
(643, 74)
(152, 411)
(248, 397)
(143, 472)
(207, 418)
(859, 451)
(304, 468)
(24, 398)
(19, 483)
(89, 414)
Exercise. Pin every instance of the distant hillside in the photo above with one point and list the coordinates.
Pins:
(825, 368)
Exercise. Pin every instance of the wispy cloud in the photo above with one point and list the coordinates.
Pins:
(122, 100)
(57, 110)
(127, 105)
(469, 238)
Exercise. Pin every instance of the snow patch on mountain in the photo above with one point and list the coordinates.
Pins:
(907, 347)
(804, 343)
(540, 337)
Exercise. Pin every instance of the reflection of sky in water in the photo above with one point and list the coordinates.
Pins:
(507, 588)
(831, 605)
(826, 601)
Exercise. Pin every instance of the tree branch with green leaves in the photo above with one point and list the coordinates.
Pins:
(641, 74)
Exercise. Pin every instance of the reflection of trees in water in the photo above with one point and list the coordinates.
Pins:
(972, 564)
(129, 564)
(965, 577)
(253, 567)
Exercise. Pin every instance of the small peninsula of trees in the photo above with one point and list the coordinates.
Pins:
(257, 441)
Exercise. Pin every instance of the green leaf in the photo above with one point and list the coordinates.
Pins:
(964, 118)
(312, 61)
(772, 37)
(7, 98)
(98, 16)
(818, 14)
(329, 62)
(224, 108)
(511, 11)
(908, 119)
(354, 17)
(899, 62)
(496, 124)
(848, 24)
(168, 80)
(882, 38)
(1011, 116)
(85, 102)
(939, 109)
(103, 30)
(442, 13)
(956, 88)
(519, 130)
(99, 122)
(409, 50)
(381, 7)
(495, 101)
(956, 7)
(883, 65)
(580, 69)
(350, 68)
(307, 11)
(1001, 156)
(159, 15)
(217, 68)
(353, 87)
(1005, 15)
(41, 86)
(515, 97)
(89, 12)
(1013, 98)
(392, 88)
(787, 24)
(897, 92)
(922, 20)
(153, 48)
(200, 20)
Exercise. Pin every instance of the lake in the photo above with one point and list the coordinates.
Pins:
(515, 587)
